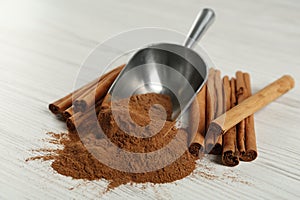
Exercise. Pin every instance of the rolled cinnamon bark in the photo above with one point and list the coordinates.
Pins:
(84, 102)
(59, 106)
(79, 118)
(251, 105)
(68, 113)
(210, 97)
(250, 138)
(210, 108)
(70, 122)
(229, 153)
(241, 92)
(219, 110)
(197, 139)
(219, 93)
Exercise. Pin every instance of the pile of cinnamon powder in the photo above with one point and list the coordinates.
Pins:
(76, 161)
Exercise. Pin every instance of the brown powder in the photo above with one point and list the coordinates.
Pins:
(76, 160)
(118, 126)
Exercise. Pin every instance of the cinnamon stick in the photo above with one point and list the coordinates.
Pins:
(71, 121)
(68, 113)
(78, 118)
(229, 153)
(210, 97)
(250, 105)
(84, 102)
(210, 108)
(241, 95)
(59, 106)
(219, 94)
(250, 138)
(64, 103)
(197, 139)
(219, 109)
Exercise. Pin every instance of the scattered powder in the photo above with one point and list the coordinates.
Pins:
(76, 161)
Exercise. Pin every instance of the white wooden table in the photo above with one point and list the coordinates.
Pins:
(43, 43)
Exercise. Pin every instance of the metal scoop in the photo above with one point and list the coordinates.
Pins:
(168, 69)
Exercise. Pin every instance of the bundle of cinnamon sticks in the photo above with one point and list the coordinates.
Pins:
(215, 98)
(85, 101)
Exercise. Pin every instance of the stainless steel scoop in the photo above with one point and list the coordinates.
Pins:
(166, 68)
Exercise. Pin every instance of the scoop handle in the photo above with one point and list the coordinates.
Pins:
(199, 27)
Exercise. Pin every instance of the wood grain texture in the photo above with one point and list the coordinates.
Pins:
(43, 43)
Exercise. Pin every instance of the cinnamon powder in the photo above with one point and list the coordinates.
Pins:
(76, 161)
